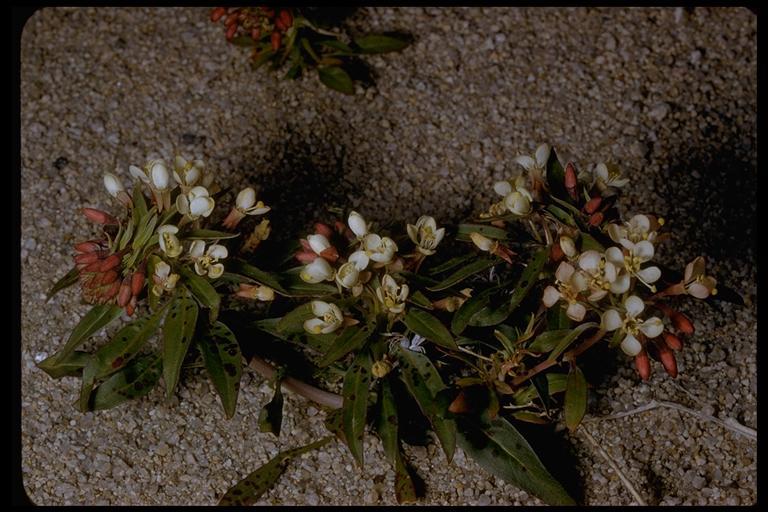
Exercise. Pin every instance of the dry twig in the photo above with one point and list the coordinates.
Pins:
(624, 480)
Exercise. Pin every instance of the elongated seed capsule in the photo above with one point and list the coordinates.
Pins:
(643, 365)
(110, 262)
(108, 277)
(673, 341)
(593, 204)
(88, 246)
(88, 257)
(279, 25)
(681, 322)
(460, 404)
(124, 296)
(232, 18)
(668, 360)
(137, 283)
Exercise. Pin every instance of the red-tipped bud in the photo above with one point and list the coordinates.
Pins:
(593, 204)
(98, 216)
(643, 365)
(324, 229)
(231, 19)
(89, 246)
(110, 262)
(275, 40)
(306, 256)
(137, 283)
(92, 267)
(286, 17)
(330, 254)
(112, 290)
(108, 277)
(217, 13)
(84, 259)
(131, 306)
(268, 11)
(681, 322)
(256, 33)
(556, 252)
(668, 360)
(570, 180)
(124, 295)
(305, 244)
(596, 219)
(460, 405)
(673, 341)
(231, 32)
(279, 25)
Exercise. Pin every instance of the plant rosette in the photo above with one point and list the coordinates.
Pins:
(407, 329)
(292, 37)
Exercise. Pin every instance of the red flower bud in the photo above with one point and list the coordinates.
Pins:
(84, 259)
(110, 263)
(256, 33)
(137, 283)
(275, 41)
(330, 254)
(231, 32)
(217, 13)
(570, 180)
(98, 216)
(460, 404)
(556, 252)
(286, 17)
(593, 204)
(124, 296)
(323, 229)
(131, 306)
(306, 256)
(108, 277)
(231, 19)
(673, 341)
(668, 360)
(89, 246)
(681, 322)
(279, 25)
(111, 291)
(92, 267)
(643, 365)
(596, 219)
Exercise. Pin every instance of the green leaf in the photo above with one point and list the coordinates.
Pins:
(241, 267)
(424, 383)
(451, 263)
(293, 321)
(351, 339)
(570, 338)
(271, 415)
(490, 315)
(334, 422)
(463, 273)
(178, 330)
(224, 362)
(405, 490)
(68, 280)
(263, 57)
(501, 450)
(144, 231)
(489, 231)
(355, 393)
(248, 490)
(557, 319)
(243, 40)
(71, 365)
(336, 78)
(203, 291)
(556, 176)
(528, 278)
(139, 205)
(548, 340)
(209, 234)
(561, 215)
(424, 324)
(575, 398)
(588, 243)
(556, 382)
(98, 317)
(420, 300)
(379, 43)
(134, 381)
(467, 310)
(337, 45)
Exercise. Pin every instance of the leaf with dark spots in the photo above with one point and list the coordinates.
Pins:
(350, 339)
(271, 415)
(405, 491)
(203, 291)
(133, 381)
(354, 408)
(426, 325)
(218, 360)
(178, 331)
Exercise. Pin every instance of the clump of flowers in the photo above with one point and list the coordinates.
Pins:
(288, 35)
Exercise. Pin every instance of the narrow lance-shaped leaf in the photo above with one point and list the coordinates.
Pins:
(203, 291)
(528, 278)
(241, 267)
(492, 232)
(351, 339)
(467, 310)
(380, 43)
(178, 330)
(463, 273)
(387, 425)
(567, 340)
(355, 393)
(500, 449)
(208, 234)
(424, 324)
(224, 362)
(336, 78)
(248, 490)
(134, 381)
(575, 398)
(271, 415)
(424, 383)
(71, 365)
(293, 321)
(66, 281)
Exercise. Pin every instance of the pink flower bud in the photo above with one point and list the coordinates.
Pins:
(124, 296)
(643, 365)
(137, 283)
(99, 216)
(673, 341)
(217, 13)
(323, 229)
(593, 204)
(110, 263)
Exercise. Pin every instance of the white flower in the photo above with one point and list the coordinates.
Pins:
(317, 271)
(140, 174)
(536, 165)
(568, 246)
(168, 241)
(636, 255)
(568, 285)
(696, 282)
(187, 173)
(608, 177)
(113, 184)
(348, 275)
(391, 295)
(246, 203)
(318, 243)
(196, 203)
(357, 224)
(517, 198)
(631, 325)
(636, 230)
(602, 274)
(161, 178)
(414, 344)
(425, 234)
(482, 242)
(379, 249)
(327, 319)
(206, 261)
(258, 292)
(360, 259)
(163, 279)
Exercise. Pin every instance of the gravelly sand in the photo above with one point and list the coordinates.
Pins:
(668, 93)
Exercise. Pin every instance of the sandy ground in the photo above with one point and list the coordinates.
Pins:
(670, 94)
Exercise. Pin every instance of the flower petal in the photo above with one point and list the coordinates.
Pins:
(320, 308)
(652, 327)
(542, 155)
(314, 325)
(564, 272)
(590, 261)
(634, 305)
(621, 284)
(502, 188)
(631, 346)
(650, 274)
(551, 296)
(197, 249)
(611, 320)
(576, 311)
(643, 250)
(215, 271)
(615, 256)
(526, 161)
(360, 259)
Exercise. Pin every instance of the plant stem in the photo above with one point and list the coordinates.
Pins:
(319, 396)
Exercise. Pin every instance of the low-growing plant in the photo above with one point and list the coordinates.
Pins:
(395, 331)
